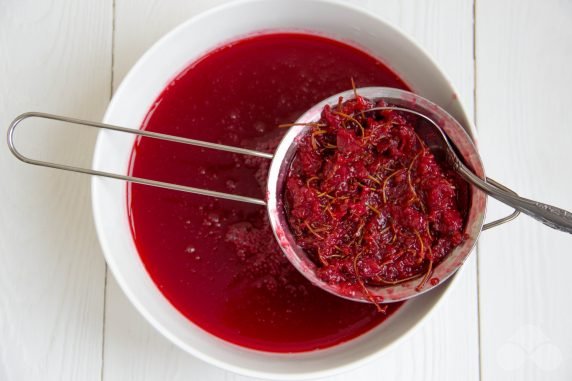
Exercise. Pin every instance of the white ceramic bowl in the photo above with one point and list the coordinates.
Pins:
(129, 106)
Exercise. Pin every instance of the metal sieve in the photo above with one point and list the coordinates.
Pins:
(443, 133)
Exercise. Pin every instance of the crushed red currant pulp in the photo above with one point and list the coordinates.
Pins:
(368, 201)
(217, 261)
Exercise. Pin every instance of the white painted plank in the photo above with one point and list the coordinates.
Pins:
(56, 57)
(524, 56)
(446, 348)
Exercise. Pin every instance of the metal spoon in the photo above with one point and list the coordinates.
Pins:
(436, 139)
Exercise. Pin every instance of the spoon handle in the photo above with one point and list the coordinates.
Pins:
(549, 215)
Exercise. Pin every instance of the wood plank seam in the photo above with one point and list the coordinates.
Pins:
(475, 65)
(112, 68)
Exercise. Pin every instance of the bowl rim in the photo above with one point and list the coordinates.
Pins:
(445, 289)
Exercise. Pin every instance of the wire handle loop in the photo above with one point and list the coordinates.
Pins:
(139, 180)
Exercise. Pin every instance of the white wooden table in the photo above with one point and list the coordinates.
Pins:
(63, 317)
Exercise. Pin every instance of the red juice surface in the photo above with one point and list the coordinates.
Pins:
(217, 261)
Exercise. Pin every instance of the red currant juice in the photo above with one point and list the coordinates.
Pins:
(217, 261)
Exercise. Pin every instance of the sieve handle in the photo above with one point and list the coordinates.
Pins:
(549, 215)
(133, 179)
(506, 219)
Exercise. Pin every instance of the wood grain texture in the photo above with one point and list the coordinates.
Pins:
(56, 57)
(446, 348)
(524, 55)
